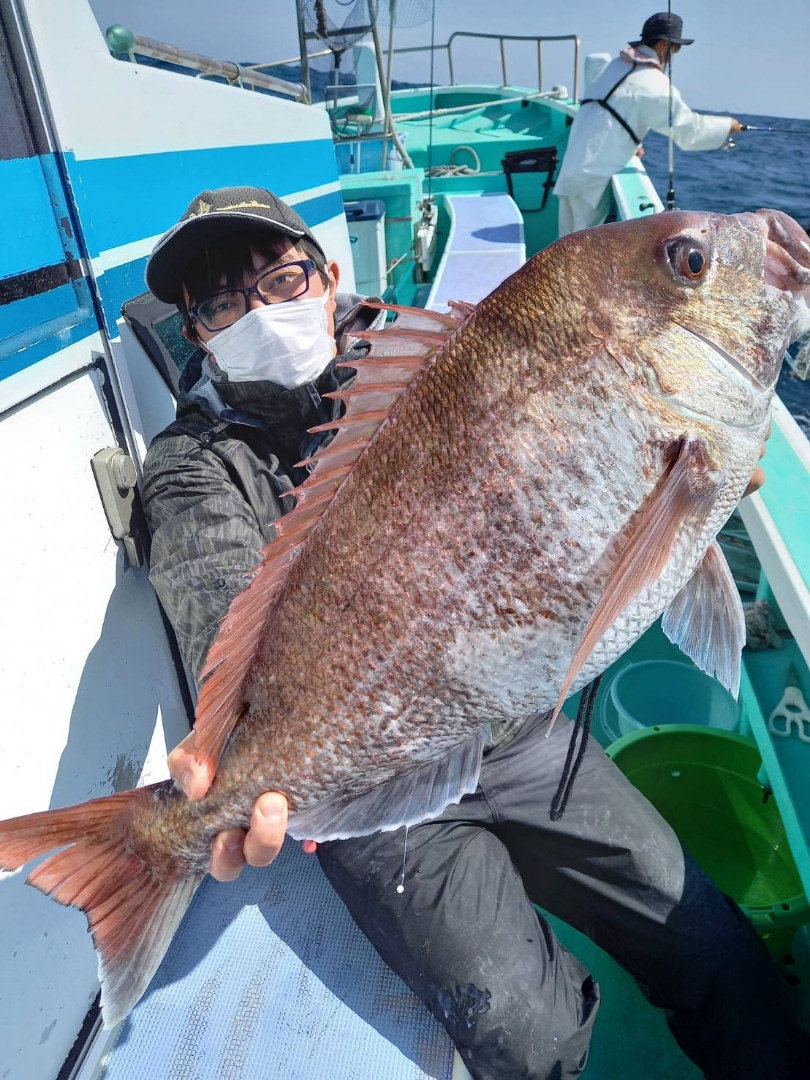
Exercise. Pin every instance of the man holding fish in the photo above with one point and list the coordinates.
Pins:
(513, 495)
(496, 978)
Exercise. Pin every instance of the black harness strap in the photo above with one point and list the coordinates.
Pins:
(604, 103)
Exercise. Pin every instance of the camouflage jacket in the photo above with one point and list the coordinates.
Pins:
(214, 481)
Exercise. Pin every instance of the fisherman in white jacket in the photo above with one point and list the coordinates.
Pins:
(628, 99)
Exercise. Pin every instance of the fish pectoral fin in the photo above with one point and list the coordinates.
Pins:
(685, 493)
(418, 795)
(706, 620)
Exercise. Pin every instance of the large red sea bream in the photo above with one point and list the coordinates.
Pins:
(515, 493)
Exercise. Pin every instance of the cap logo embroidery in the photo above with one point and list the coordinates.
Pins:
(242, 205)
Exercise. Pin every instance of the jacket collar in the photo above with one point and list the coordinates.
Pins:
(640, 54)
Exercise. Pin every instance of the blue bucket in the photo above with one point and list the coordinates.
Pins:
(655, 693)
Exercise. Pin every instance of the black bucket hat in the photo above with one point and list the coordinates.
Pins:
(663, 27)
(212, 215)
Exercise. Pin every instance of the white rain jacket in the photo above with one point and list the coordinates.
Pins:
(598, 145)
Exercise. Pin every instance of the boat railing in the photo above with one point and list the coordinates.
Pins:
(124, 43)
(503, 40)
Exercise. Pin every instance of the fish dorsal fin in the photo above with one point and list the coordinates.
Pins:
(398, 353)
(418, 795)
(706, 620)
(684, 494)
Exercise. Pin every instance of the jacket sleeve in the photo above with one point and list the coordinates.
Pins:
(205, 540)
(690, 130)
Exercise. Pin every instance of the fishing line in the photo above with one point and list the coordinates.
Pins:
(401, 886)
(671, 191)
(432, 98)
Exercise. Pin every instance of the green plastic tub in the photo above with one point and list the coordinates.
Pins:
(704, 782)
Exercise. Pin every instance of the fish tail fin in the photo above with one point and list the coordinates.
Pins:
(132, 910)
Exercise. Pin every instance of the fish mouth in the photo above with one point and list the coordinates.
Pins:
(787, 257)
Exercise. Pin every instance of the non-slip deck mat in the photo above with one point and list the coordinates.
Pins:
(268, 978)
(485, 246)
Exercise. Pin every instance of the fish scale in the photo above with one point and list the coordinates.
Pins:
(513, 494)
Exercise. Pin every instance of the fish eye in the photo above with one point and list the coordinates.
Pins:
(688, 258)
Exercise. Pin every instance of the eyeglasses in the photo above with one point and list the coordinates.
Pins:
(277, 285)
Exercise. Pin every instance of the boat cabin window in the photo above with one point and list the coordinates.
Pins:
(159, 329)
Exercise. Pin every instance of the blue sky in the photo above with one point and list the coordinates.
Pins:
(750, 56)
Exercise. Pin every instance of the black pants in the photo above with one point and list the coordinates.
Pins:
(464, 935)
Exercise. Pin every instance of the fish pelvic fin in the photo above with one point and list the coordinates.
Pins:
(706, 620)
(686, 492)
(398, 354)
(417, 795)
(132, 912)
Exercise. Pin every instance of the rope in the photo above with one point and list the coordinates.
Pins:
(571, 767)
(453, 169)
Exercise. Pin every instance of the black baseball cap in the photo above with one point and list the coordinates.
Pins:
(663, 27)
(212, 215)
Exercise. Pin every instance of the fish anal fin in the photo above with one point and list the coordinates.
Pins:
(418, 795)
(398, 354)
(686, 492)
(706, 620)
(131, 910)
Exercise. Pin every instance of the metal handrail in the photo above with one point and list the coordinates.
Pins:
(502, 39)
(122, 41)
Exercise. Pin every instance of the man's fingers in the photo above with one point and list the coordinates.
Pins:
(227, 855)
(192, 776)
(310, 847)
(232, 848)
(268, 824)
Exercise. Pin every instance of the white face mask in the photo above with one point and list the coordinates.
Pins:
(287, 343)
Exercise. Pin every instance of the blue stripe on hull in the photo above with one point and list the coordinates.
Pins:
(117, 285)
(123, 199)
(320, 209)
(33, 241)
(33, 311)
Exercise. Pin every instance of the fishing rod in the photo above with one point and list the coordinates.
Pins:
(730, 142)
(786, 131)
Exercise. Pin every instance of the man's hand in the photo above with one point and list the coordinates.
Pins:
(736, 127)
(232, 848)
(756, 481)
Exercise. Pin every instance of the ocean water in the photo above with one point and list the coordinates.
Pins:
(770, 169)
